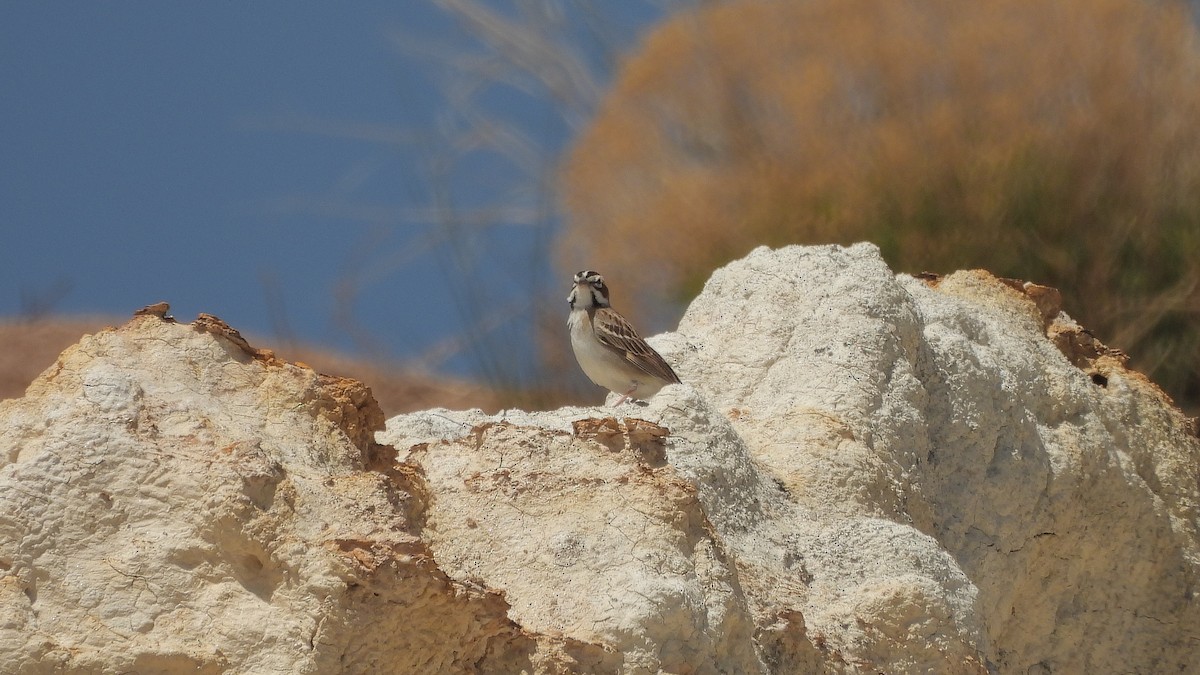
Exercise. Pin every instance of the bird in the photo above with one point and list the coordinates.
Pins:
(608, 349)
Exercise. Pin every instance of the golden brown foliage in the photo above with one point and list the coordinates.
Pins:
(1052, 140)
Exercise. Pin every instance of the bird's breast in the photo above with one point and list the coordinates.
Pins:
(602, 365)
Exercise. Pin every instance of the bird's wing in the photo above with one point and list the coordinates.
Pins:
(615, 333)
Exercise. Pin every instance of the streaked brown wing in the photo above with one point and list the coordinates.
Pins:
(615, 332)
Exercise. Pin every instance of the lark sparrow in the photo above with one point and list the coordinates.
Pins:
(608, 349)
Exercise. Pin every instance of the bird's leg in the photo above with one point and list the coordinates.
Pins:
(625, 396)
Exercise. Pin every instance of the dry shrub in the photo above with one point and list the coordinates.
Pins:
(1052, 140)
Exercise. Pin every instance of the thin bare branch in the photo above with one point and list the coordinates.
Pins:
(562, 71)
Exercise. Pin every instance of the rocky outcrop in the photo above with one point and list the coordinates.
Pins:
(864, 472)
(172, 500)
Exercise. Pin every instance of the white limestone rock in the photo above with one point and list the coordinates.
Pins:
(863, 472)
(1066, 494)
(174, 501)
(905, 475)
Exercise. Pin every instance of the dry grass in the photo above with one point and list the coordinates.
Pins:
(1049, 140)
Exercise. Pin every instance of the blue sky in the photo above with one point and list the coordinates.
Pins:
(214, 155)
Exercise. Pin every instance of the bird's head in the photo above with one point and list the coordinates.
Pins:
(589, 291)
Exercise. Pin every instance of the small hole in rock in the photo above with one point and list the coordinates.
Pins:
(1099, 379)
(252, 564)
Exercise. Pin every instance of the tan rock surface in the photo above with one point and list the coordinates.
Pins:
(1068, 500)
(863, 472)
(170, 503)
(906, 477)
